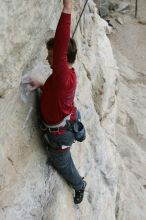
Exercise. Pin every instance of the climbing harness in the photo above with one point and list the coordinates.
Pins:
(79, 18)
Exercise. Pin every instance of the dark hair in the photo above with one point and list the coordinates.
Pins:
(72, 49)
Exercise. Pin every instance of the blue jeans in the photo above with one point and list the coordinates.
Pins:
(61, 161)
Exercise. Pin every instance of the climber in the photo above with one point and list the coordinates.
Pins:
(59, 116)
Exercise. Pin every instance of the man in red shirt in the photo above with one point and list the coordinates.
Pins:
(57, 102)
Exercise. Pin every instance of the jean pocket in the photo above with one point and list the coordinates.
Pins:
(66, 139)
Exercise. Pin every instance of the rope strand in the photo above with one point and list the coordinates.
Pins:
(79, 18)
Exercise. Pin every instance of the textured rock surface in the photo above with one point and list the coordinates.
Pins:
(130, 43)
(29, 189)
(141, 11)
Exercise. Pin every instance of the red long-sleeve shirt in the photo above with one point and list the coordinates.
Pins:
(57, 98)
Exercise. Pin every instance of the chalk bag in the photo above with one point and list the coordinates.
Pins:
(79, 131)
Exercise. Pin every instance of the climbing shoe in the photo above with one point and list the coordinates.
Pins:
(79, 194)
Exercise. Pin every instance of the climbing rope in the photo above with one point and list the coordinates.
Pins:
(79, 18)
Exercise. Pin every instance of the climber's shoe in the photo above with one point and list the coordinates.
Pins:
(79, 194)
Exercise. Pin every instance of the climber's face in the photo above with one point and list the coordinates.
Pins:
(50, 58)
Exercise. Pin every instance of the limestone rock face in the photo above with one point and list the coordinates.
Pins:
(131, 141)
(141, 11)
(29, 188)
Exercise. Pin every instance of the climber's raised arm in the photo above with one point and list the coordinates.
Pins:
(67, 6)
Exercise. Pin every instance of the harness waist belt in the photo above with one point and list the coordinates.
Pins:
(57, 129)
(59, 126)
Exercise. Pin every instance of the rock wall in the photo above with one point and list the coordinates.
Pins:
(141, 11)
(29, 188)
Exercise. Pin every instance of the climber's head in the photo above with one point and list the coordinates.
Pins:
(71, 55)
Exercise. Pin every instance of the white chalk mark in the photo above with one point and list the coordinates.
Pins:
(27, 117)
